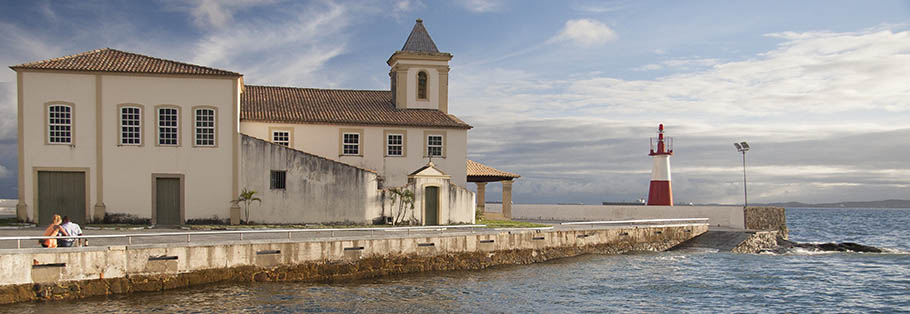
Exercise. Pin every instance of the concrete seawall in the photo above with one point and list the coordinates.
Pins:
(71, 273)
(752, 218)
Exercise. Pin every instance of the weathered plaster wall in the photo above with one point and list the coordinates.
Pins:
(462, 205)
(318, 190)
(82, 272)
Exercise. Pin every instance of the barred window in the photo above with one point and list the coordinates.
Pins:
(168, 129)
(278, 179)
(130, 125)
(434, 145)
(205, 127)
(60, 124)
(394, 144)
(282, 138)
(351, 144)
(422, 85)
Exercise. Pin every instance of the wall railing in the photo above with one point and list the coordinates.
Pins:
(240, 233)
(648, 222)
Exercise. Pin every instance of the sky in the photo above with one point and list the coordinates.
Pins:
(565, 93)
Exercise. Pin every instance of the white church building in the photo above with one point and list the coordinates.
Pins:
(118, 136)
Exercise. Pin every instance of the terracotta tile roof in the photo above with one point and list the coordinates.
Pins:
(336, 106)
(476, 169)
(112, 60)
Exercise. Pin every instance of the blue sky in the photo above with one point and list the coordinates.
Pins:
(565, 93)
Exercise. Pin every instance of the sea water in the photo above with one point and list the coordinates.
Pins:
(682, 281)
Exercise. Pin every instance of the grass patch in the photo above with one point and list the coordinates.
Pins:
(494, 223)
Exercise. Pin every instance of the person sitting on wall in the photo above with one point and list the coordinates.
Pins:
(53, 230)
(72, 229)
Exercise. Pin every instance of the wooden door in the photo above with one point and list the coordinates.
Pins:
(167, 201)
(61, 193)
(431, 205)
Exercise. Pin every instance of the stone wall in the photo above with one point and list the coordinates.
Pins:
(759, 241)
(37, 274)
(767, 218)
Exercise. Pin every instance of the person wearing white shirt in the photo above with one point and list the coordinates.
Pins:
(71, 228)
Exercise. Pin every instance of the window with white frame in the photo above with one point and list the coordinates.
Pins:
(168, 126)
(350, 144)
(205, 127)
(60, 124)
(130, 125)
(282, 138)
(434, 145)
(395, 145)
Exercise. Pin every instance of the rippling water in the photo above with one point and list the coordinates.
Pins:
(693, 281)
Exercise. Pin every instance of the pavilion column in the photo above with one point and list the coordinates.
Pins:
(507, 199)
(481, 196)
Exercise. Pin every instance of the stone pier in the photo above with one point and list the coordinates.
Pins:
(71, 273)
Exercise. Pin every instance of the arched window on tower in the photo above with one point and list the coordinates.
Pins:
(422, 85)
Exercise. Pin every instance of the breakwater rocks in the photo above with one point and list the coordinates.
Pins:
(77, 274)
(786, 246)
(771, 242)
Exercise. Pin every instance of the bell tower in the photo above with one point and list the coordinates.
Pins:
(420, 73)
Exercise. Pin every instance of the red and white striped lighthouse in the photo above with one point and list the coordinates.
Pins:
(660, 193)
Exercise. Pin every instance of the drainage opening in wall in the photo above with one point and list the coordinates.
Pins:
(163, 258)
(268, 252)
(353, 248)
(49, 265)
(426, 244)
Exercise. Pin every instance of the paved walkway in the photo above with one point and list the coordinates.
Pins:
(198, 236)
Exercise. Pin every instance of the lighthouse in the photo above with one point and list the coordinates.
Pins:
(660, 193)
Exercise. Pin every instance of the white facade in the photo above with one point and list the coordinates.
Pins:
(120, 177)
(325, 140)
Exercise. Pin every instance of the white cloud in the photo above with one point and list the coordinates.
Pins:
(4, 172)
(481, 6)
(290, 50)
(585, 32)
(822, 110)
(218, 13)
(649, 67)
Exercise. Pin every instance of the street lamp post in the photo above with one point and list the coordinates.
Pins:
(743, 147)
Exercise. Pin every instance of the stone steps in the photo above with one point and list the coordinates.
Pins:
(723, 241)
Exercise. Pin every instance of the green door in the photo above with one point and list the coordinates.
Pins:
(167, 201)
(61, 193)
(431, 205)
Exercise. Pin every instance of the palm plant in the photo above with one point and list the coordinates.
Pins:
(405, 200)
(247, 197)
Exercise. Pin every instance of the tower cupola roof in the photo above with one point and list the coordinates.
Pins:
(419, 40)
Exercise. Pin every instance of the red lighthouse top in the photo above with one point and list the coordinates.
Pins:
(664, 145)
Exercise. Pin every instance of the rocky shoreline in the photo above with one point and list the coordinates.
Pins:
(784, 246)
